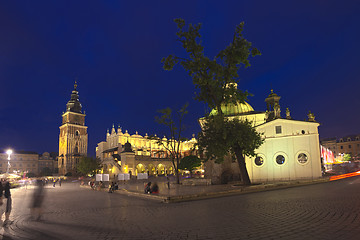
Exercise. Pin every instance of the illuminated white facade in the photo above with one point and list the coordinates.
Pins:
(291, 149)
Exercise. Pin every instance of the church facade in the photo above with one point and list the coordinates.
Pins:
(73, 137)
(291, 149)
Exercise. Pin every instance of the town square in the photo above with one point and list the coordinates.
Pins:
(179, 120)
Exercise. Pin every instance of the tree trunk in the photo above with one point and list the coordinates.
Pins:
(176, 170)
(242, 166)
(177, 176)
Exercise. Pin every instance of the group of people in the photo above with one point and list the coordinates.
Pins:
(113, 186)
(151, 189)
(5, 201)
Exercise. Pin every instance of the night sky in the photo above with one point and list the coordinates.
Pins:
(310, 57)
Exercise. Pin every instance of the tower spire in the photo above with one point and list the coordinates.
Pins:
(74, 104)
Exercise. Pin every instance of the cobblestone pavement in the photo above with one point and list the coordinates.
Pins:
(321, 211)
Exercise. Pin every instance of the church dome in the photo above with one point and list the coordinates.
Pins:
(234, 109)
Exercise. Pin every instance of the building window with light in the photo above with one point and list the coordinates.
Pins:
(280, 159)
(302, 158)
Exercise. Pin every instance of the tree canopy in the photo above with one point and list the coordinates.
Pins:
(213, 78)
(216, 83)
(88, 165)
(189, 163)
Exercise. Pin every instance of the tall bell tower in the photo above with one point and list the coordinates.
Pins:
(73, 138)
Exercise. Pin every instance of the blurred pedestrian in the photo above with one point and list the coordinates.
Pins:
(59, 182)
(111, 187)
(54, 182)
(154, 189)
(168, 182)
(38, 197)
(8, 208)
(147, 188)
(2, 202)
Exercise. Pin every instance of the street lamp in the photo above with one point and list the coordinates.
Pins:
(9, 152)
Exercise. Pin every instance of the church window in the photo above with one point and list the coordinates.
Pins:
(278, 129)
(349, 139)
(259, 161)
(280, 159)
(303, 131)
(76, 133)
(349, 146)
(341, 147)
(302, 158)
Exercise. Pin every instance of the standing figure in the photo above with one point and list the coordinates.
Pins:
(8, 208)
(168, 182)
(2, 202)
(59, 182)
(54, 182)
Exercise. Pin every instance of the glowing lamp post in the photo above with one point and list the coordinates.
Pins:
(8, 152)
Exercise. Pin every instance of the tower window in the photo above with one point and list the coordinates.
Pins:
(76, 133)
(278, 129)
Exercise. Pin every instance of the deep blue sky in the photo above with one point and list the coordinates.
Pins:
(310, 57)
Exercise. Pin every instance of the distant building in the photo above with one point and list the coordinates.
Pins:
(290, 151)
(48, 161)
(73, 137)
(125, 153)
(345, 145)
(20, 162)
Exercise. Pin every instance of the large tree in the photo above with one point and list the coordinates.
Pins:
(88, 165)
(216, 82)
(175, 126)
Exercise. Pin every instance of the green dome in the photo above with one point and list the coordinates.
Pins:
(232, 109)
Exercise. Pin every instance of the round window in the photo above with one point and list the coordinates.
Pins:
(280, 159)
(302, 158)
(259, 161)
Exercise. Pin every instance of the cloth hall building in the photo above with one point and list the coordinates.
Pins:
(125, 153)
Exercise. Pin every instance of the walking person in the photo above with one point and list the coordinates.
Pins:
(54, 182)
(36, 207)
(8, 208)
(59, 182)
